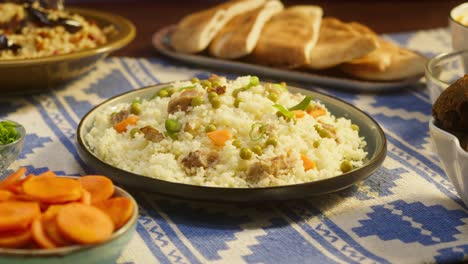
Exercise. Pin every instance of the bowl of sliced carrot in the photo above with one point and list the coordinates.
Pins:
(62, 219)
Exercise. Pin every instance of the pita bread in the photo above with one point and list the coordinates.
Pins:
(388, 62)
(195, 32)
(286, 40)
(339, 43)
(239, 37)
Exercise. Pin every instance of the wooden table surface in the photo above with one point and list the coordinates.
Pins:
(384, 16)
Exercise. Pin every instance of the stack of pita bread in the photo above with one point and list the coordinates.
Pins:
(297, 37)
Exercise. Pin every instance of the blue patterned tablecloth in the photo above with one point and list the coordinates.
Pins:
(407, 212)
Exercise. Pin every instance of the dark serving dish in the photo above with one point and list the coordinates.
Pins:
(374, 136)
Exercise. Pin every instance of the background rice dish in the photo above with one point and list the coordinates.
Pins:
(251, 135)
(38, 40)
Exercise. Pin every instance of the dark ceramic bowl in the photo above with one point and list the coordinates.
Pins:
(374, 136)
(106, 252)
(38, 74)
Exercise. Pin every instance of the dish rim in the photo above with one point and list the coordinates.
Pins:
(21, 130)
(379, 156)
(436, 59)
(68, 250)
(124, 37)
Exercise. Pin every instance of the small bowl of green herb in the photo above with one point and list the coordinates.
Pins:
(11, 142)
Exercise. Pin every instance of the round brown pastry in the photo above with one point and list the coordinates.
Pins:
(450, 110)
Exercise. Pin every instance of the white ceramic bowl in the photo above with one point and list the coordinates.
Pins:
(458, 30)
(443, 70)
(454, 159)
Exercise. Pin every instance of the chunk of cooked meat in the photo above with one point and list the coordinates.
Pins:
(191, 127)
(331, 130)
(265, 168)
(152, 134)
(278, 164)
(182, 102)
(119, 116)
(197, 159)
(213, 77)
(219, 90)
(257, 171)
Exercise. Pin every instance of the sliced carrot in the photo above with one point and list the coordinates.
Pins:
(17, 187)
(53, 189)
(16, 215)
(53, 233)
(298, 113)
(15, 239)
(85, 197)
(100, 187)
(219, 137)
(308, 163)
(39, 234)
(48, 173)
(84, 224)
(5, 195)
(23, 197)
(49, 224)
(52, 211)
(317, 112)
(119, 209)
(122, 125)
(12, 178)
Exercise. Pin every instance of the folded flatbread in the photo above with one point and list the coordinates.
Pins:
(338, 43)
(239, 37)
(388, 62)
(195, 32)
(288, 37)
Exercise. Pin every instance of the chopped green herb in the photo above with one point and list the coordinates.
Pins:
(257, 131)
(284, 112)
(302, 105)
(8, 132)
(187, 87)
(281, 87)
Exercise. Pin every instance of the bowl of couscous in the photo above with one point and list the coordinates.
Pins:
(231, 140)
(41, 48)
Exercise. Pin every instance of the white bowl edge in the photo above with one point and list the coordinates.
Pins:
(453, 158)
